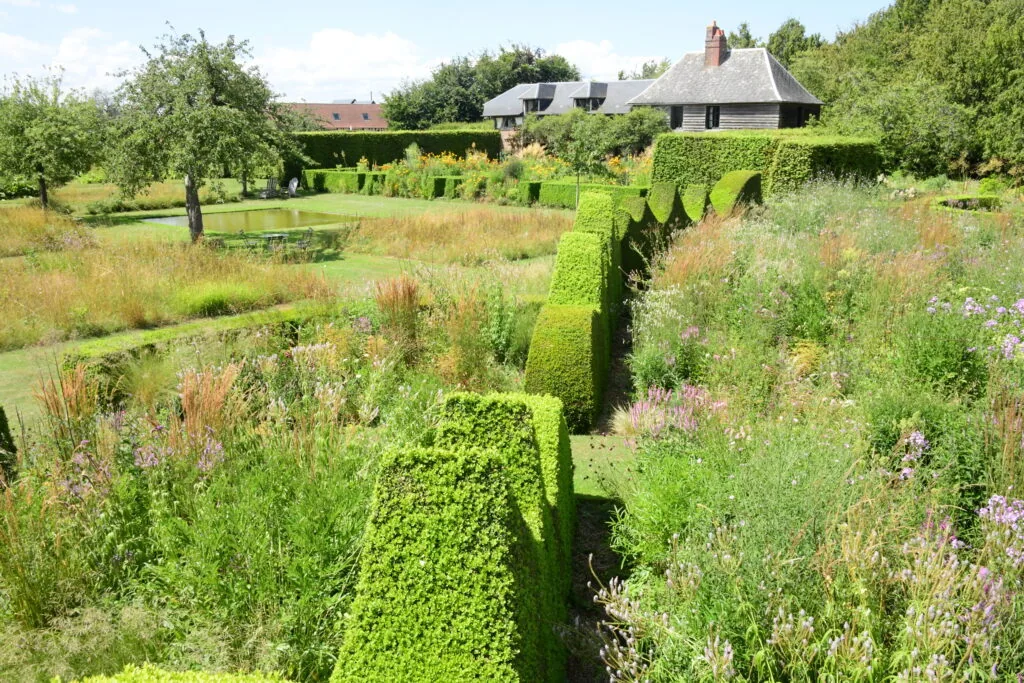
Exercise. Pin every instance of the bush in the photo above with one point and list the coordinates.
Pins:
(13, 188)
(451, 186)
(8, 450)
(334, 181)
(506, 424)
(702, 158)
(580, 277)
(666, 207)
(562, 193)
(328, 149)
(638, 225)
(799, 160)
(565, 361)
(445, 589)
(735, 187)
(596, 216)
(695, 202)
(529, 191)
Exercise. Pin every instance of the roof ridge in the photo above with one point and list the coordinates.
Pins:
(771, 74)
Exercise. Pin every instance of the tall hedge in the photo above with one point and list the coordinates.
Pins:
(695, 202)
(8, 450)
(447, 586)
(562, 193)
(580, 277)
(565, 361)
(334, 180)
(329, 149)
(506, 424)
(596, 216)
(735, 188)
(791, 156)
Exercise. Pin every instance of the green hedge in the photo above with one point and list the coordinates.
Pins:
(334, 181)
(695, 202)
(529, 191)
(565, 361)
(151, 674)
(8, 449)
(666, 206)
(580, 277)
(968, 202)
(596, 215)
(452, 184)
(432, 187)
(446, 589)
(562, 193)
(641, 233)
(329, 149)
(506, 424)
(786, 158)
(735, 188)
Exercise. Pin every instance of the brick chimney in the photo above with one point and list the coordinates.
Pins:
(715, 46)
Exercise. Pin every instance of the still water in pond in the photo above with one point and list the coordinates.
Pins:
(257, 221)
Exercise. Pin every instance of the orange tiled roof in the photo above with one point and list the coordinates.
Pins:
(348, 116)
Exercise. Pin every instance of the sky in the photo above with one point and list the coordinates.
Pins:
(340, 49)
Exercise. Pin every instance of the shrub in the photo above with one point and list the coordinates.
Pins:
(735, 188)
(580, 277)
(786, 158)
(506, 424)
(666, 206)
(562, 193)
(328, 149)
(529, 191)
(445, 588)
(565, 361)
(596, 215)
(451, 186)
(8, 451)
(695, 202)
(333, 181)
(639, 228)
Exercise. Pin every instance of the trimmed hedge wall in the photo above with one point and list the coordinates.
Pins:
(695, 202)
(506, 424)
(666, 206)
(580, 275)
(562, 193)
(786, 159)
(329, 149)
(735, 188)
(565, 361)
(446, 590)
(334, 181)
(596, 216)
(529, 191)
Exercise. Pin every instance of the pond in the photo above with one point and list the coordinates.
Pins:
(260, 220)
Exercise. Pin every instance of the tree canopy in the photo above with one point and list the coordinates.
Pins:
(457, 90)
(647, 70)
(190, 110)
(47, 136)
(938, 81)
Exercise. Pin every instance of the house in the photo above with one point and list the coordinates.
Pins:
(508, 109)
(717, 89)
(353, 115)
(723, 89)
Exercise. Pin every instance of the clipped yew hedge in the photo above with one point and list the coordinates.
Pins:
(334, 181)
(785, 158)
(8, 449)
(666, 206)
(562, 193)
(735, 188)
(565, 361)
(447, 587)
(695, 202)
(151, 674)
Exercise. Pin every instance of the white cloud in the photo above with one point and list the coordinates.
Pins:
(20, 3)
(66, 9)
(339, 64)
(88, 57)
(599, 60)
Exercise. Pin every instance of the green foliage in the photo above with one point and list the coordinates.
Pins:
(191, 108)
(596, 215)
(649, 69)
(328, 149)
(667, 206)
(695, 202)
(735, 188)
(562, 193)
(47, 136)
(789, 40)
(640, 233)
(529, 191)
(8, 450)
(457, 90)
(447, 584)
(151, 674)
(566, 361)
(219, 298)
(539, 484)
(792, 156)
(334, 181)
(580, 277)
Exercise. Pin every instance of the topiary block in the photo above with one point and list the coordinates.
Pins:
(734, 189)
(695, 202)
(8, 449)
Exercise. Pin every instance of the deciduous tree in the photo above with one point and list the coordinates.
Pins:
(47, 134)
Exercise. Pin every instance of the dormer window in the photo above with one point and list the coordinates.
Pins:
(366, 117)
(590, 103)
(337, 116)
(532, 105)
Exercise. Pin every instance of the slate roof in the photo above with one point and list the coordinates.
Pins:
(616, 93)
(748, 75)
(347, 116)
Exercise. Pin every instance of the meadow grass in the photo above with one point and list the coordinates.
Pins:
(25, 229)
(825, 426)
(89, 292)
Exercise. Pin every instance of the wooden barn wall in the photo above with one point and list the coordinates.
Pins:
(732, 117)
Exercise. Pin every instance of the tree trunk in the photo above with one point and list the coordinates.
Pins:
(245, 184)
(195, 214)
(577, 190)
(44, 197)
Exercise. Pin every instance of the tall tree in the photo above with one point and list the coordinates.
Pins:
(189, 110)
(743, 37)
(791, 39)
(46, 134)
(651, 69)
